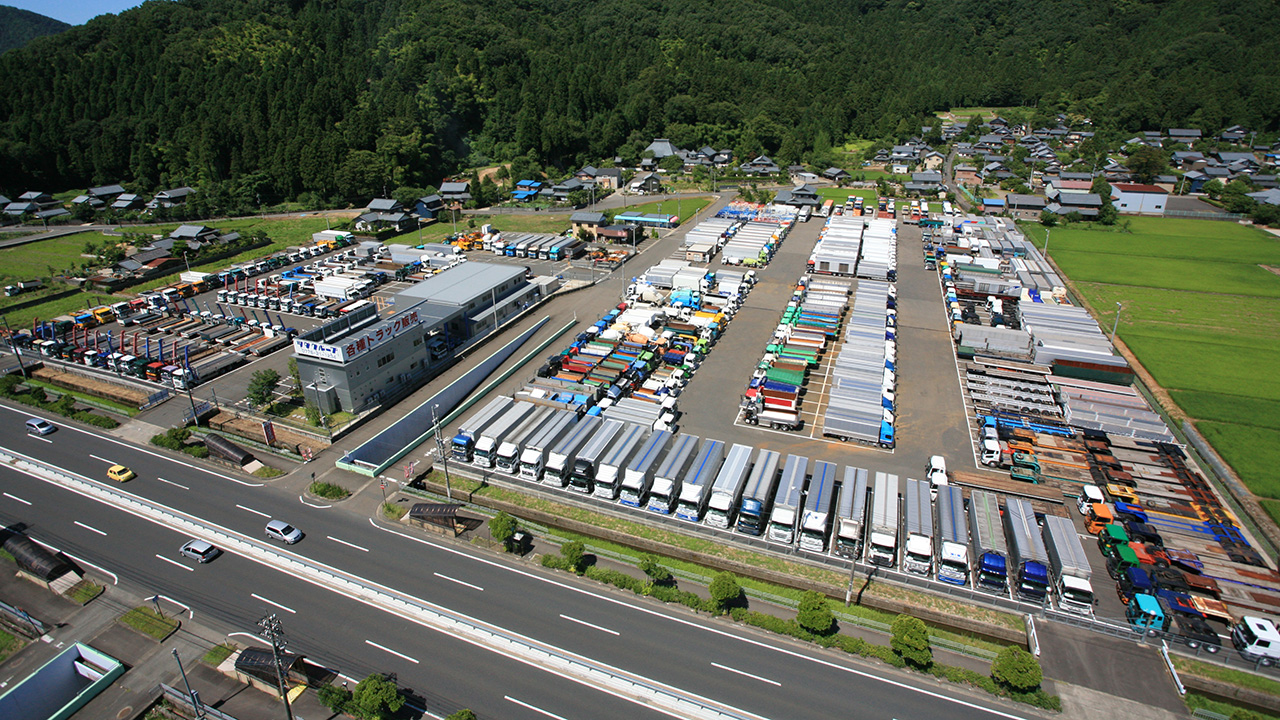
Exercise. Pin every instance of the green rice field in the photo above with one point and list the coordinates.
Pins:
(841, 194)
(1201, 313)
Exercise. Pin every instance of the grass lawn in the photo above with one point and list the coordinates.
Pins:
(146, 621)
(9, 644)
(986, 112)
(685, 207)
(841, 194)
(217, 654)
(1200, 313)
(32, 260)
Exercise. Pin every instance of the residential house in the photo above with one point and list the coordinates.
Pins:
(881, 157)
(1188, 159)
(661, 147)
(1087, 204)
(455, 192)
(1243, 159)
(170, 198)
(992, 206)
(1184, 135)
(966, 174)
(908, 154)
(1139, 199)
(428, 206)
(51, 213)
(1024, 207)
(933, 160)
(41, 199)
(384, 213)
(106, 193)
(799, 196)
(20, 207)
(646, 184)
(560, 191)
(93, 202)
(588, 222)
(127, 201)
(761, 165)
(1234, 134)
(899, 168)
(1270, 196)
(834, 174)
(921, 183)
(608, 178)
(527, 190)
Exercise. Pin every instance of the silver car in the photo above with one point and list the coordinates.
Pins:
(283, 531)
(200, 551)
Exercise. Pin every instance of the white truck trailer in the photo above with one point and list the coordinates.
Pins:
(851, 514)
(815, 524)
(664, 491)
(788, 501)
(953, 536)
(883, 550)
(695, 489)
(918, 557)
(726, 493)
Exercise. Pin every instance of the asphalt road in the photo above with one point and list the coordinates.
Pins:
(710, 658)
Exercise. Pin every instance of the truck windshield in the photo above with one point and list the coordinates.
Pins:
(1081, 597)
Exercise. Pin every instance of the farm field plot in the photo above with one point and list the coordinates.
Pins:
(840, 194)
(1200, 312)
(685, 207)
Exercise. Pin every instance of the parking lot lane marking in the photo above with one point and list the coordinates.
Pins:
(747, 674)
(273, 602)
(527, 706)
(18, 499)
(456, 580)
(344, 542)
(173, 562)
(95, 457)
(393, 652)
(255, 512)
(170, 482)
(590, 625)
(90, 529)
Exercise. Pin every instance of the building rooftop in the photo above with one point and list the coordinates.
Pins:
(459, 285)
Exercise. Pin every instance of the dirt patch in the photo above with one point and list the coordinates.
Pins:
(1271, 269)
(251, 429)
(492, 172)
(117, 393)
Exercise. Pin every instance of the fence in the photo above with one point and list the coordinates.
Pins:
(180, 698)
(1205, 215)
(19, 620)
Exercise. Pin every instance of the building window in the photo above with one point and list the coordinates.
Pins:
(386, 359)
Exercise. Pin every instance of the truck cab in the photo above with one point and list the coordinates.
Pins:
(1089, 496)
(936, 472)
(1145, 614)
(1257, 640)
(1134, 581)
(1098, 519)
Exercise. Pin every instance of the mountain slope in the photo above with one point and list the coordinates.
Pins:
(18, 27)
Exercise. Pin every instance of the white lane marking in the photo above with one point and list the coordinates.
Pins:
(273, 602)
(705, 628)
(90, 529)
(174, 562)
(318, 507)
(41, 439)
(527, 706)
(747, 674)
(255, 512)
(393, 652)
(191, 613)
(170, 482)
(344, 542)
(137, 448)
(249, 635)
(15, 497)
(114, 579)
(95, 457)
(590, 625)
(456, 580)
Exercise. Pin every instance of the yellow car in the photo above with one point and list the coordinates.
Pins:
(120, 473)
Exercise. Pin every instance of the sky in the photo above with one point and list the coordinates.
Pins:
(76, 12)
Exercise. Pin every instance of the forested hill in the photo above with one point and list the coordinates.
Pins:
(18, 27)
(345, 97)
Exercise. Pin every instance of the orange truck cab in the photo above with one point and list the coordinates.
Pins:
(1099, 517)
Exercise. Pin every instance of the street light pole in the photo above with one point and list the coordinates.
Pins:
(14, 346)
(275, 633)
(191, 694)
(1115, 324)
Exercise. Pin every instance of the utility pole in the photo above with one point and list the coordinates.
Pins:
(1115, 324)
(14, 346)
(441, 450)
(191, 694)
(1046, 243)
(274, 631)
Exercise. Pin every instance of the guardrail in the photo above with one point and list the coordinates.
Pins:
(177, 696)
(476, 632)
(19, 620)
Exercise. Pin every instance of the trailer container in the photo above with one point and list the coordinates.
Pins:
(726, 494)
(918, 557)
(815, 525)
(851, 514)
(485, 451)
(561, 458)
(609, 473)
(953, 536)
(534, 456)
(986, 533)
(1026, 550)
(884, 521)
(757, 496)
(1072, 574)
(788, 501)
(695, 488)
(638, 477)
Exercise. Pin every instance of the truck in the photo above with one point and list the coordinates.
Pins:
(610, 470)
(508, 456)
(582, 474)
(953, 535)
(883, 550)
(534, 456)
(815, 524)
(561, 458)
(851, 514)
(1257, 640)
(1026, 550)
(695, 489)
(485, 451)
(464, 441)
(918, 524)
(664, 491)
(992, 452)
(986, 536)
(638, 476)
(788, 500)
(1070, 566)
(726, 493)
(936, 472)
(757, 496)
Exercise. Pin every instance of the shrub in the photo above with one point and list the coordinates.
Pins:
(328, 491)
(573, 552)
(911, 640)
(375, 698)
(1017, 670)
(724, 590)
(96, 420)
(815, 615)
(656, 572)
(334, 698)
(555, 562)
(501, 528)
(463, 714)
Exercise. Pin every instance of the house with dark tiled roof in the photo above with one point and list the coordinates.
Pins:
(1270, 196)
(1024, 207)
(1087, 204)
(1184, 135)
(646, 184)
(428, 206)
(589, 222)
(89, 200)
(170, 198)
(127, 201)
(661, 147)
(929, 181)
(459, 192)
(761, 165)
(560, 191)
(799, 196)
(835, 174)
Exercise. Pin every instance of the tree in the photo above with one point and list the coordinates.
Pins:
(656, 572)
(724, 589)
(815, 614)
(502, 527)
(262, 386)
(573, 552)
(375, 698)
(1213, 189)
(296, 375)
(671, 163)
(1102, 189)
(1048, 219)
(1107, 214)
(463, 714)
(1146, 163)
(1016, 669)
(911, 640)
(313, 414)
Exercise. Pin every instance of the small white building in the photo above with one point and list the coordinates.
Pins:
(1138, 198)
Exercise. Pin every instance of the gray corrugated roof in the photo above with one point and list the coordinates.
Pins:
(461, 284)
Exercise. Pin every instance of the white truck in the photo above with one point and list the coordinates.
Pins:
(936, 472)
(815, 524)
(609, 471)
(486, 448)
(664, 491)
(918, 557)
(953, 536)
(638, 476)
(464, 442)
(726, 493)
(788, 501)
(883, 550)
(508, 456)
(1069, 565)
(534, 456)
(851, 514)
(561, 458)
(696, 487)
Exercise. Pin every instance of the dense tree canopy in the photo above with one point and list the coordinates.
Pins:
(343, 99)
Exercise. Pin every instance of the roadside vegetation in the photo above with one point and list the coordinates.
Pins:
(150, 623)
(176, 439)
(328, 491)
(9, 644)
(35, 396)
(84, 591)
(217, 654)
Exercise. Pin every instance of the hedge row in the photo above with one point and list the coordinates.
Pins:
(64, 405)
(176, 439)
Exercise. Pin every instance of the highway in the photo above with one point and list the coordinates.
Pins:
(714, 659)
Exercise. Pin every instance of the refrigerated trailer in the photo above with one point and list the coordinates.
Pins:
(757, 497)
(464, 442)
(486, 448)
(918, 557)
(663, 489)
(587, 464)
(695, 489)
(609, 473)
(851, 514)
(815, 524)
(726, 494)
(884, 521)
(534, 456)
(986, 535)
(788, 501)
(1029, 560)
(953, 536)
(561, 458)
(508, 457)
